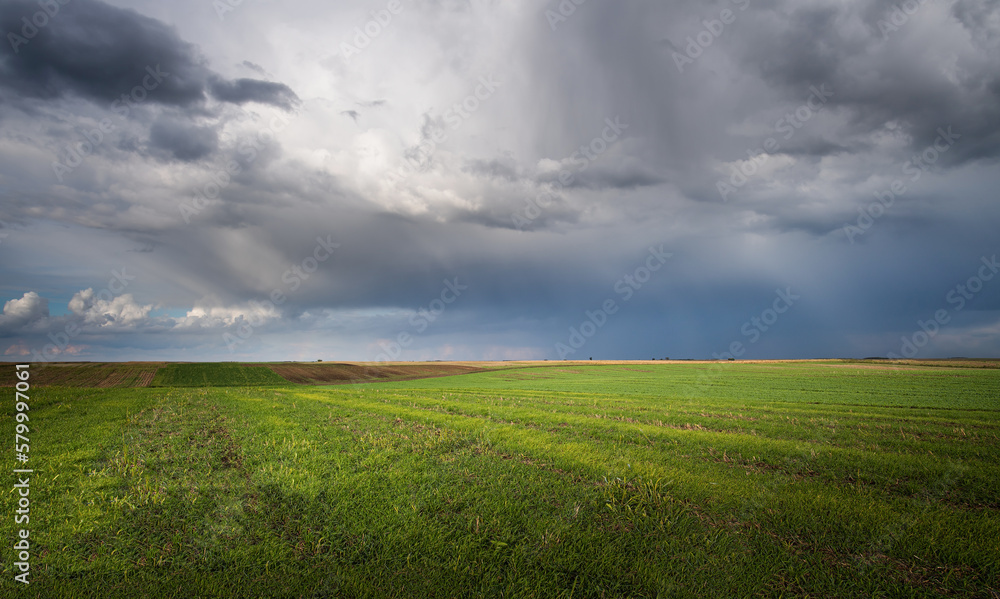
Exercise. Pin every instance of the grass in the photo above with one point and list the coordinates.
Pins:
(215, 375)
(683, 480)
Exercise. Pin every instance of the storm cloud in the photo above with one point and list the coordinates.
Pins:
(525, 162)
(101, 52)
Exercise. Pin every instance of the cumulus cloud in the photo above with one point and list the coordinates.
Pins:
(27, 310)
(120, 311)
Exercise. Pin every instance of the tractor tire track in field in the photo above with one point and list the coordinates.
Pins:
(181, 484)
(570, 454)
(893, 472)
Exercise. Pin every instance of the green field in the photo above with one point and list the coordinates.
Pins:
(564, 480)
(214, 375)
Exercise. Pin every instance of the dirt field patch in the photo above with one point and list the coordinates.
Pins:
(89, 374)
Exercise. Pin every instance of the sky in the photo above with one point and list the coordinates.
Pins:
(254, 180)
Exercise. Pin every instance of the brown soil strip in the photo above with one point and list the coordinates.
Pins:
(346, 374)
(147, 377)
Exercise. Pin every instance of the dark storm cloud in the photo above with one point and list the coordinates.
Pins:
(96, 51)
(528, 283)
(883, 70)
(242, 91)
(99, 52)
(183, 141)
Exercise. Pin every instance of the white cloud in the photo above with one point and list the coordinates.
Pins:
(117, 312)
(30, 309)
(217, 316)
